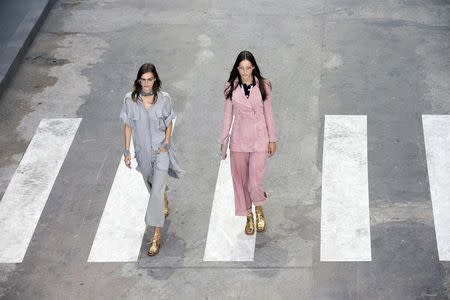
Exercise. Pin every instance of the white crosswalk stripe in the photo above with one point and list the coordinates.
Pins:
(226, 238)
(119, 234)
(436, 130)
(122, 226)
(345, 224)
(31, 184)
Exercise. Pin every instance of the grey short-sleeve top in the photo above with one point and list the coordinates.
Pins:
(149, 131)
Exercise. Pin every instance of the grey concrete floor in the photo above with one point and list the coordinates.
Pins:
(20, 22)
(388, 59)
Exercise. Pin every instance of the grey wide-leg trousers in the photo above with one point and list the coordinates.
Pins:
(157, 185)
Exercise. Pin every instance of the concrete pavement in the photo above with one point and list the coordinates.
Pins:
(388, 60)
(21, 21)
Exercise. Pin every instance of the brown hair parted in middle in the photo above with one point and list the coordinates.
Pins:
(137, 87)
(234, 74)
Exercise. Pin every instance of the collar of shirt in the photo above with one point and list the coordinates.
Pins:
(247, 85)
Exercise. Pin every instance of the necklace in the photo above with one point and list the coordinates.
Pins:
(142, 93)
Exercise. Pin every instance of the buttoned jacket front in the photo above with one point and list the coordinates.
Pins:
(253, 126)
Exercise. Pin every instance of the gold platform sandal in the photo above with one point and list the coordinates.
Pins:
(250, 225)
(154, 245)
(166, 205)
(260, 219)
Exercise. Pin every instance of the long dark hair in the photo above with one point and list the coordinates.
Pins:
(234, 74)
(137, 87)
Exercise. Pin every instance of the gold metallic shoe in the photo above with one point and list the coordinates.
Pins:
(166, 205)
(154, 245)
(260, 219)
(250, 226)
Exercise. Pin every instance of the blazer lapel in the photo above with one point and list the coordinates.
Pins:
(240, 95)
(254, 94)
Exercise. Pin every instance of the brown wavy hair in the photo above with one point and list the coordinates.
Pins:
(137, 87)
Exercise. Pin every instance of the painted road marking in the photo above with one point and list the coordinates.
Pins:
(436, 130)
(27, 193)
(122, 226)
(345, 224)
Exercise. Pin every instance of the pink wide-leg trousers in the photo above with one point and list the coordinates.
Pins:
(247, 171)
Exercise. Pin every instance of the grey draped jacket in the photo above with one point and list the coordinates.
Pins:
(149, 131)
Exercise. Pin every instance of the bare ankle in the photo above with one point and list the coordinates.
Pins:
(157, 231)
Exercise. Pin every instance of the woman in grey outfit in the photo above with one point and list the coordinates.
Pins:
(147, 115)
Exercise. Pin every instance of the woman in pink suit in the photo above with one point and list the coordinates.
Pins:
(248, 97)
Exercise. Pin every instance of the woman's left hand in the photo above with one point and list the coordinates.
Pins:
(272, 149)
(162, 149)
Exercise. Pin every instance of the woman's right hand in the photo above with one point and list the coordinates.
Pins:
(127, 160)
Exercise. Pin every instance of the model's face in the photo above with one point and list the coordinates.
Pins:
(147, 80)
(245, 70)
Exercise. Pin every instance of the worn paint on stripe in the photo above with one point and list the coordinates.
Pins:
(345, 224)
(30, 186)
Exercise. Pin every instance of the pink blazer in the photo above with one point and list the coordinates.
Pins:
(253, 126)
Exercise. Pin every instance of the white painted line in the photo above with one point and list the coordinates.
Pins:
(436, 131)
(345, 224)
(122, 226)
(226, 239)
(121, 229)
(26, 195)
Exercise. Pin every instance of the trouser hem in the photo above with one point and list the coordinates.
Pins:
(159, 225)
(260, 203)
(241, 213)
